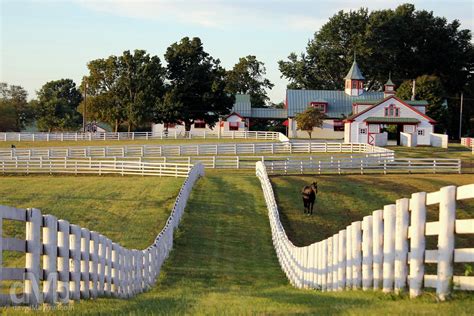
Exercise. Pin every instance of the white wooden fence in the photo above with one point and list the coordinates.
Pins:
(363, 165)
(439, 140)
(82, 264)
(100, 167)
(468, 142)
(192, 149)
(79, 136)
(283, 165)
(386, 250)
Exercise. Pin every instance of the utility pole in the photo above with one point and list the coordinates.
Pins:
(460, 117)
(84, 120)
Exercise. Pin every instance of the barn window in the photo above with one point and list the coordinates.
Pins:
(233, 126)
(421, 132)
(338, 126)
(320, 106)
(363, 131)
(392, 111)
(199, 124)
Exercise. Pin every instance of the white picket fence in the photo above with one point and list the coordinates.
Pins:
(99, 167)
(386, 250)
(79, 136)
(192, 149)
(82, 264)
(363, 165)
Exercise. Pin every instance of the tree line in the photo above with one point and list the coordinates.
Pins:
(135, 89)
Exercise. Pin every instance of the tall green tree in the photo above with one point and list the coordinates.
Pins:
(427, 88)
(196, 86)
(247, 77)
(405, 41)
(14, 107)
(57, 106)
(309, 119)
(124, 89)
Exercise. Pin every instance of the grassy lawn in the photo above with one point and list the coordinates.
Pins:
(344, 199)
(129, 142)
(223, 263)
(129, 210)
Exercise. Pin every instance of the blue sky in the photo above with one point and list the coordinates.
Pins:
(43, 40)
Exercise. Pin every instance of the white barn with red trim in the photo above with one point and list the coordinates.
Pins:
(369, 122)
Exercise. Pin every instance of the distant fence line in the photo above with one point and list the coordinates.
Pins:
(276, 165)
(193, 149)
(99, 167)
(79, 136)
(82, 264)
(374, 253)
(468, 142)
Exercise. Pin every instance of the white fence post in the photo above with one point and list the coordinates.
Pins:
(417, 242)
(63, 262)
(85, 251)
(342, 261)
(75, 263)
(388, 247)
(32, 266)
(50, 259)
(367, 248)
(356, 255)
(377, 240)
(401, 244)
(447, 218)
(349, 257)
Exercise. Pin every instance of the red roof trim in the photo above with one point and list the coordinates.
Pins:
(234, 113)
(399, 100)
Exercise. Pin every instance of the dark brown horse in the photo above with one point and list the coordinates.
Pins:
(309, 196)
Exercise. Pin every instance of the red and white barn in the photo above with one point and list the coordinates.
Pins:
(369, 122)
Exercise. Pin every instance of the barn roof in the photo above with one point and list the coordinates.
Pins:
(339, 103)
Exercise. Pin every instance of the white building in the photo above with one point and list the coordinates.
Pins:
(356, 115)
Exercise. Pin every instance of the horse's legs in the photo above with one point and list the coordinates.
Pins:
(306, 208)
(312, 205)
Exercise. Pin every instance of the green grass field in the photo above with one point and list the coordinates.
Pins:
(223, 262)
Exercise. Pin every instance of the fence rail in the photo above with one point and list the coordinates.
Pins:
(374, 253)
(276, 165)
(192, 150)
(363, 165)
(82, 264)
(100, 167)
(35, 137)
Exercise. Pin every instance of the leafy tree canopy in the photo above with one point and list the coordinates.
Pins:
(427, 88)
(196, 86)
(407, 42)
(15, 110)
(309, 119)
(57, 106)
(247, 77)
(126, 88)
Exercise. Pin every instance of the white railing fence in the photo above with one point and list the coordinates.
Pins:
(386, 250)
(192, 149)
(89, 166)
(363, 165)
(282, 165)
(79, 136)
(82, 264)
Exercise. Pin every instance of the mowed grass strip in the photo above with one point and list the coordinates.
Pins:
(223, 263)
